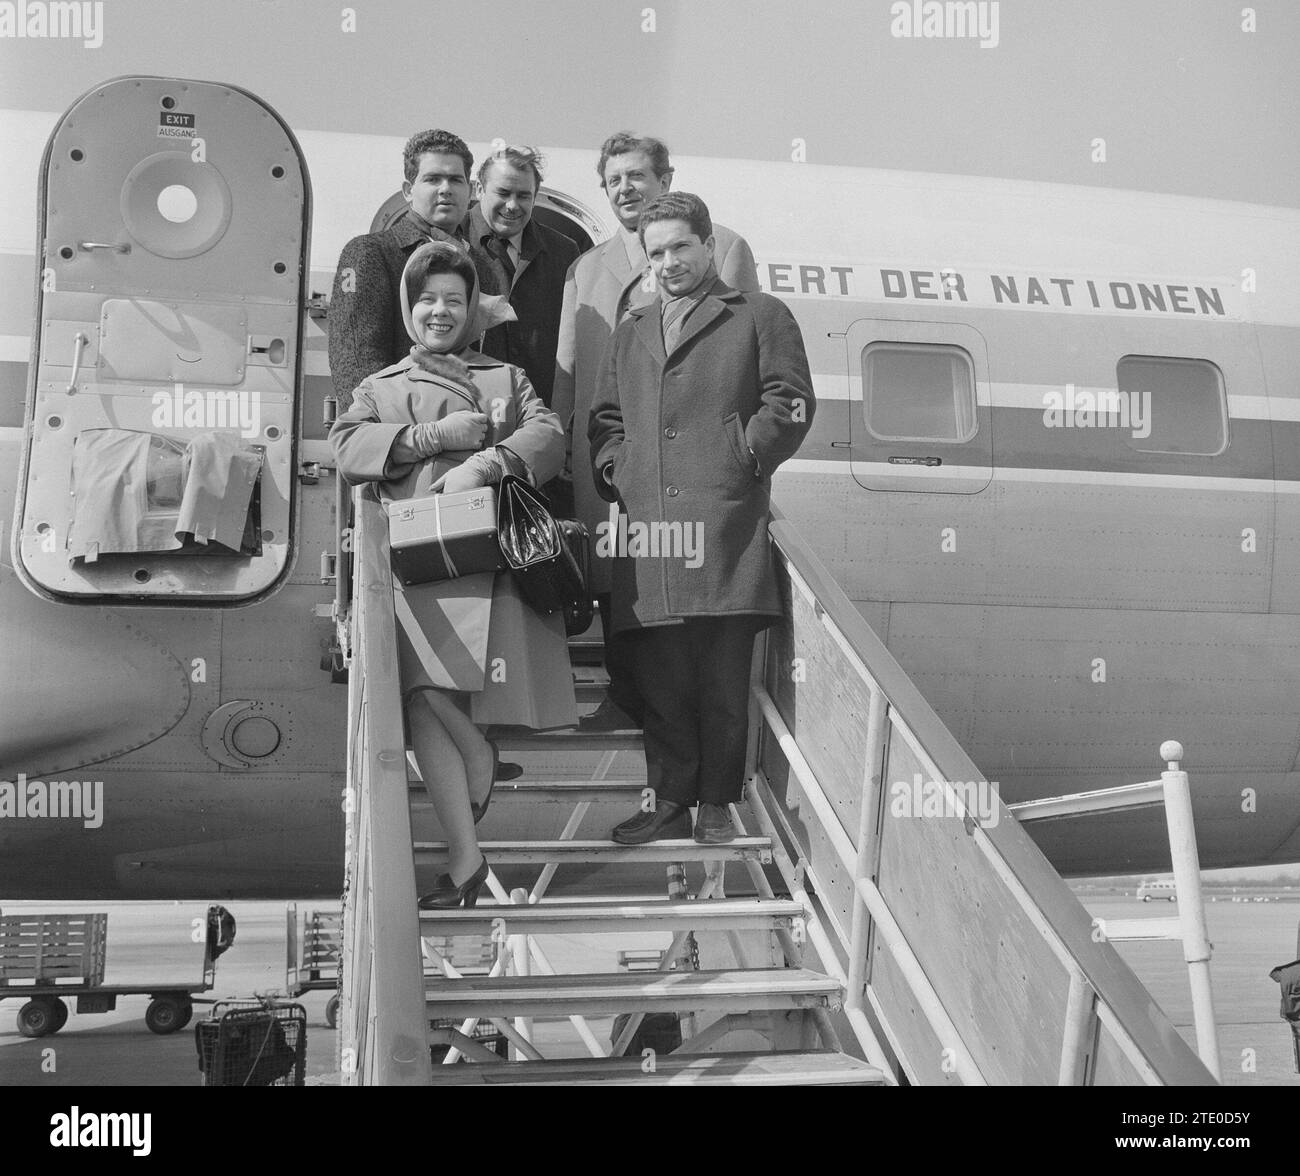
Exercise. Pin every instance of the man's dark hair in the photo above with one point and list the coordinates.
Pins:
(443, 258)
(623, 142)
(440, 143)
(683, 206)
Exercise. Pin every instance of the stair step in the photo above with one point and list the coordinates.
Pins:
(759, 849)
(732, 914)
(590, 673)
(570, 739)
(786, 1068)
(586, 653)
(606, 994)
(555, 791)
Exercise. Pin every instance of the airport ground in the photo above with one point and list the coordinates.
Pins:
(151, 942)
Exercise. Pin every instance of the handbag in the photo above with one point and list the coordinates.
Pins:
(549, 558)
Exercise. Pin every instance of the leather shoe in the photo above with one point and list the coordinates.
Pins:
(669, 820)
(447, 894)
(608, 716)
(508, 771)
(713, 825)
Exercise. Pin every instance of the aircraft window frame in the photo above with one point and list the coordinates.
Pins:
(964, 414)
(1135, 443)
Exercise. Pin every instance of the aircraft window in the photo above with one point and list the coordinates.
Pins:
(918, 392)
(1174, 405)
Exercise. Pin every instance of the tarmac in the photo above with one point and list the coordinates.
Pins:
(151, 943)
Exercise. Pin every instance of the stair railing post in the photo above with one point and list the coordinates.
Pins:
(1191, 904)
(865, 867)
(757, 678)
(523, 967)
(1080, 1031)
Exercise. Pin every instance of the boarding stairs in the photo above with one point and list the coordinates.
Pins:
(781, 1001)
(829, 944)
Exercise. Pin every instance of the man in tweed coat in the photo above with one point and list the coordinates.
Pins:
(703, 394)
(366, 332)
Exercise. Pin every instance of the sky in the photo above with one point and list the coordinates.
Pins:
(1183, 98)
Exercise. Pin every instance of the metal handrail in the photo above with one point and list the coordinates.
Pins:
(382, 1017)
(1172, 791)
(1095, 971)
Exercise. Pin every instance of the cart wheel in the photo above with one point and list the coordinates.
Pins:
(187, 1011)
(38, 1017)
(166, 1014)
(60, 1015)
(332, 1011)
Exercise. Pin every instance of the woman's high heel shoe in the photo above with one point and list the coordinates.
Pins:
(480, 810)
(448, 894)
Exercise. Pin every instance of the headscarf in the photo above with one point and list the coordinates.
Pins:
(483, 310)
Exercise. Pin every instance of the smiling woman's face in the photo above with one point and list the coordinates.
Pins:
(441, 311)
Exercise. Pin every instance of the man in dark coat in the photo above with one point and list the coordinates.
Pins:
(704, 393)
(602, 286)
(529, 260)
(366, 332)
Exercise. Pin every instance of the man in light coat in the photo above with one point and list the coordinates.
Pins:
(601, 287)
(703, 394)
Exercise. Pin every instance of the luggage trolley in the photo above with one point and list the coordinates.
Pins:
(46, 958)
(252, 1042)
(314, 946)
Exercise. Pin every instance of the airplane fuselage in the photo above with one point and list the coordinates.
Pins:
(1070, 580)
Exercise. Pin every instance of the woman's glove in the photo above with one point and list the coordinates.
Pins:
(483, 469)
(455, 432)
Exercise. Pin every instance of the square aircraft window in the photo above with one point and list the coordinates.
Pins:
(1173, 405)
(918, 392)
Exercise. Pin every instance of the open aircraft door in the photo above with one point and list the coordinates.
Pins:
(163, 400)
(920, 418)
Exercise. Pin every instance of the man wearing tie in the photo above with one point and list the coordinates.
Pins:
(703, 394)
(602, 286)
(366, 332)
(530, 261)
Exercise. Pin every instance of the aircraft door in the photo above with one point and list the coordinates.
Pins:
(161, 429)
(920, 408)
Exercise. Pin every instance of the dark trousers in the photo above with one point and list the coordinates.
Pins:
(623, 689)
(694, 681)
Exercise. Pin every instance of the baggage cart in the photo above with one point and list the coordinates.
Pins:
(314, 946)
(48, 958)
(257, 1042)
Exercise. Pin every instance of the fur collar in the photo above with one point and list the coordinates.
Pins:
(449, 367)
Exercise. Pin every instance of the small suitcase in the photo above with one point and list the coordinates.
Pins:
(441, 536)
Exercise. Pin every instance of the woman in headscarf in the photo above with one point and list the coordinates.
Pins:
(437, 423)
